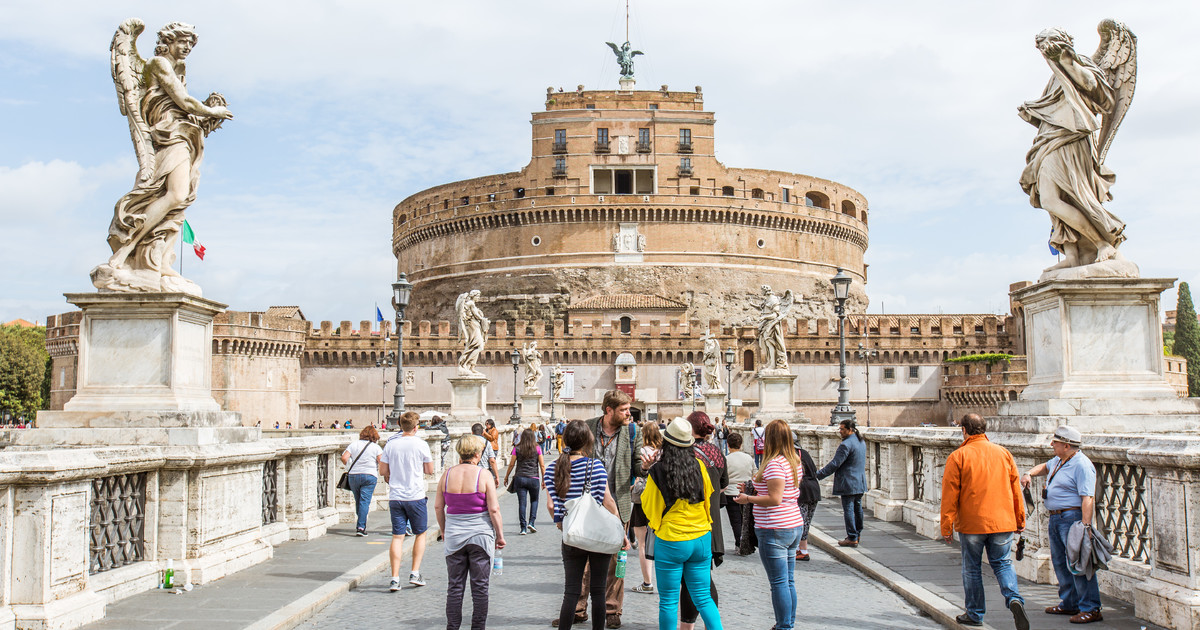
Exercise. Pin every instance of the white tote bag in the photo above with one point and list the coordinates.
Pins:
(589, 526)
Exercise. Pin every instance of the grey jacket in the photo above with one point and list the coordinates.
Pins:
(848, 467)
(1087, 554)
(627, 468)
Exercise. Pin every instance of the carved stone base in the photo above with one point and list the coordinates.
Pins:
(1115, 268)
(468, 399)
(531, 409)
(108, 278)
(775, 400)
(714, 403)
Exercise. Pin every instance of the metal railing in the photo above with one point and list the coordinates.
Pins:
(643, 147)
(270, 491)
(685, 147)
(603, 146)
(685, 171)
(323, 481)
(118, 522)
(559, 171)
(1121, 509)
(559, 147)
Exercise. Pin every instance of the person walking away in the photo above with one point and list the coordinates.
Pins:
(810, 496)
(404, 463)
(981, 499)
(757, 434)
(362, 457)
(676, 502)
(651, 447)
(565, 479)
(721, 437)
(548, 437)
(488, 460)
(530, 467)
(1070, 497)
(492, 434)
(715, 467)
(740, 466)
(558, 431)
(618, 445)
(777, 519)
(467, 507)
(437, 424)
(849, 470)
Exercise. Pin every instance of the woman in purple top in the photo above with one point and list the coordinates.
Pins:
(565, 479)
(527, 459)
(468, 512)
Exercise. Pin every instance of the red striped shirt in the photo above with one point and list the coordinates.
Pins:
(787, 514)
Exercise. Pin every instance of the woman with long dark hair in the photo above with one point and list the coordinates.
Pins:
(676, 502)
(565, 479)
(527, 459)
(777, 518)
(714, 463)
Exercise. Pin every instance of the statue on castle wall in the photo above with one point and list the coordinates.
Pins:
(533, 367)
(625, 58)
(558, 380)
(410, 380)
(472, 332)
(687, 380)
(771, 314)
(712, 363)
(1065, 175)
(168, 127)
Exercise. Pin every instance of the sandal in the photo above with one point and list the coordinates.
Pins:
(1059, 610)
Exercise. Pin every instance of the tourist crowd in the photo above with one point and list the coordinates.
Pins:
(661, 488)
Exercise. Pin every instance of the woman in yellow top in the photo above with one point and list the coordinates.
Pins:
(676, 505)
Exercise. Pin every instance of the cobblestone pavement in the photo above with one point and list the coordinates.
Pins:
(529, 592)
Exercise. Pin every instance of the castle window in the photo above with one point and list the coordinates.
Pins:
(935, 330)
(464, 201)
(756, 193)
(590, 106)
(626, 325)
(895, 330)
(685, 140)
(848, 207)
(643, 143)
(445, 204)
(602, 145)
(748, 360)
(622, 181)
(727, 191)
(914, 330)
(491, 196)
(519, 193)
(549, 190)
(979, 330)
(787, 195)
(1000, 329)
(560, 167)
(653, 105)
(914, 372)
(560, 141)
(958, 330)
(814, 199)
(685, 167)
(694, 190)
(889, 374)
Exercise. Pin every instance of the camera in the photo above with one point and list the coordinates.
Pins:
(1043, 494)
(1020, 553)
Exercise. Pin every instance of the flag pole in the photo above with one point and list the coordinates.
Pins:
(181, 253)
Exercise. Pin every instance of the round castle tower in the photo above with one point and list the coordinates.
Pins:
(624, 195)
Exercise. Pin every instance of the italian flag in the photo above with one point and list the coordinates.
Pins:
(189, 237)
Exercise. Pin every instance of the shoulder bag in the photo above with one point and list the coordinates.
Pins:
(589, 526)
(344, 481)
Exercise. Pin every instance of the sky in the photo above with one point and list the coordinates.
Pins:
(342, 109)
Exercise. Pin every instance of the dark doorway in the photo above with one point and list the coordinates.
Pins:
(624, 182)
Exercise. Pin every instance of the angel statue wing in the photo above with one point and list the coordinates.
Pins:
(615, 48)
(127, 68)
(1117, 56)
(785, 303)
(634, 53)
(460, 310)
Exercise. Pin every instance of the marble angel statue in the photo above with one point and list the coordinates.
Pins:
(687, 380)
(773, 310)
(712, 363)
(472, 332)
(558, 380)
(533, 367)
(168, 127)
(1077, 117)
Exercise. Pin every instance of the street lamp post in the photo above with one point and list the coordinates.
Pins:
(866, 354)
(383, 363)
(401, 294)
(553, 391)
(730, 356)
(516, 363)
(841, 290)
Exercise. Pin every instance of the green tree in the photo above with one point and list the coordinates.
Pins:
(1187, 337)
(23, 370)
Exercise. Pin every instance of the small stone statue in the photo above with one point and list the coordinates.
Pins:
(712, 363)
(168, 127)
(533, 367)
(625, 58)
(472, 332)
(1065, 173)
(687, 380)
(772, 312)
(558, 380)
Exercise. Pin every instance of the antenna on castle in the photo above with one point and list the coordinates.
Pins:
(626, 20)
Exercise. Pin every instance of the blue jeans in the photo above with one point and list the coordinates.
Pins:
(998, 546)
(362, 487)
(852, 513)
(1076, 591)
(528, 490)
(687, 561)
(777, 549)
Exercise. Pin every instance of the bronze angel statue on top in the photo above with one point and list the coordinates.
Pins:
(168, 127)
(625, 58)
(1077, 117)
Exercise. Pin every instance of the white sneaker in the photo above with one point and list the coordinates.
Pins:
(415, 579)
(643, 588)
(395, 585)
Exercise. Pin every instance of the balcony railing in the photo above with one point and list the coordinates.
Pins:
(559, 147)
(643, 147)
(602, 146)
(559, 171)
(685, 171)
(685, 147)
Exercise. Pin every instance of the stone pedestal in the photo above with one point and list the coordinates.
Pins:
(1094, 352)
(531, 409)
(775, 401)
(714, 403)
(468, 399)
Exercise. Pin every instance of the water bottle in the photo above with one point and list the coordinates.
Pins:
(622, 561)
(169, 574)
(497, 564)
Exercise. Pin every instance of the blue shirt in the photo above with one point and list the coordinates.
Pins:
(581, 469)
(1076, 479)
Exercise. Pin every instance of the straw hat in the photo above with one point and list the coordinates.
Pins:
(679, 433)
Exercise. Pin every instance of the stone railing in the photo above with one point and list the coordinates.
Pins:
(1144, 485)
(84, 527)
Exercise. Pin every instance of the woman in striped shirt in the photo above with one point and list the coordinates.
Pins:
(565, 479)
(778, 522)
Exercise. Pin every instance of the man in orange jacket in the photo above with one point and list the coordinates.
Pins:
(981, 499)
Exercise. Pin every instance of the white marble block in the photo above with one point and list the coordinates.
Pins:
(468, 399)
(531, 409)
(714, 403)
(775, 399)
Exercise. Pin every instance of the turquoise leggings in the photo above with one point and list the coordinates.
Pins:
(687, 561)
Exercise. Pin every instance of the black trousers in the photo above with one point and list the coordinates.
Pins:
(687, 610)
(734, 510)
(574, 562)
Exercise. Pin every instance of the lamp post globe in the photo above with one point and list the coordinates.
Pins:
(516, 412)
(401, 295)
(841, 290)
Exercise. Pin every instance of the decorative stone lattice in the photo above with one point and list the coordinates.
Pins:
(270, 492)
(323, 481)
(1121, 509)
(118, 522)
(918, 473)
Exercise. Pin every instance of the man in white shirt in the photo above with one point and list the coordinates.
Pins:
(740, 467)
(404, 463)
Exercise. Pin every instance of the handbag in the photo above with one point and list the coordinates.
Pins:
(589, 526)
(344, 481)
(648, 548)
(512, 485)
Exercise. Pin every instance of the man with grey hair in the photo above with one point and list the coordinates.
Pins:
(1070, 497)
